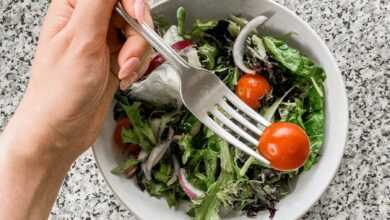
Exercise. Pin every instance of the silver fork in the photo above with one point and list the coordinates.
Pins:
(207, 97)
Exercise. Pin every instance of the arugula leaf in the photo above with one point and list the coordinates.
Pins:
(200, 27)
(141, 132)
(158, 189)
(209, 53)
(292, 59)
(124, 166)
(164, 172)
(208, 207)
(186, 147)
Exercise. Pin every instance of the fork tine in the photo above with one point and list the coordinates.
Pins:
(232, 140)
(228, 123)
(242, 120)
(246, 109)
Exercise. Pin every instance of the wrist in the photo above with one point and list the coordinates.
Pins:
(25, 139)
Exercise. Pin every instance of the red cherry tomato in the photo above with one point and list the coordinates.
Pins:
(285, 145)
(124, 123)
(251, 88)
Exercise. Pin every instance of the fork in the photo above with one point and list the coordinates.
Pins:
(207, 97)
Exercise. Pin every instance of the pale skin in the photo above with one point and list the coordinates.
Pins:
(79, 64)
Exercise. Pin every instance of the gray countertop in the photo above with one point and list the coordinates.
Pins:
(358, 34)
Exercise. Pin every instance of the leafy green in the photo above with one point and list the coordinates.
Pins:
(209, 53)
(186, 147)
(125, 166)
(292, 59)
(161, 25)
(181, 15)
(232, 77)
(210, 160)
(315, 125)
(226, 157)
(164, 172)
(141, 132)
(190, 124)
(258, 49)
(200, 27)
(234, 29)
(159, 190)
(208, 207)
(292, 112)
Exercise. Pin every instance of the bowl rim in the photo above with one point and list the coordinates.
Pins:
(344, 99)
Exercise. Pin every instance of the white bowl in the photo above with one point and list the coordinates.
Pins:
(311, 184)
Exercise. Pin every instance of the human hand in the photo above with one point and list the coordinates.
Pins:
(79, 59)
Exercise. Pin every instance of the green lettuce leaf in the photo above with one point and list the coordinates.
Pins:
(292, 112)
(207, 208)
(124, 166)
(200, 27)
(292, 59)
(208, 54)
(315, 125)
(164, 172)
(141, 132)
(186, 147)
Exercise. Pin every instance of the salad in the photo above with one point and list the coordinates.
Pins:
(171, 155)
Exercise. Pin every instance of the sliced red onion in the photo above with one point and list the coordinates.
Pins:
(131, 171)
(181, 45)
(239, 44)
(159, 59)
(156, 155)
(191, 191)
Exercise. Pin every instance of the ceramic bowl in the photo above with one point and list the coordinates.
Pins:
(310, 184)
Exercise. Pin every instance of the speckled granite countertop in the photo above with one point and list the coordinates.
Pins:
(358, 34)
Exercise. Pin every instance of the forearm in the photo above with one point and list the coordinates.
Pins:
(31, 173)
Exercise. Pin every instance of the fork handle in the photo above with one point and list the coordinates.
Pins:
(154, 39)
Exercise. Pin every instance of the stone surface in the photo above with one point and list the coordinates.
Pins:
(358, 34)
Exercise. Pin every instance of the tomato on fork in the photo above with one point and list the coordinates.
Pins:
(285, 145)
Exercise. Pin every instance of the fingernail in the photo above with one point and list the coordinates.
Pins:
(129, 67)
(139, 9)
(134, 77)
(124, 84)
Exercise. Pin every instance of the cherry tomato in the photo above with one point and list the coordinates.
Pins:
(285, 145)
(251, 88)
(133, 149)
(122, 123)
